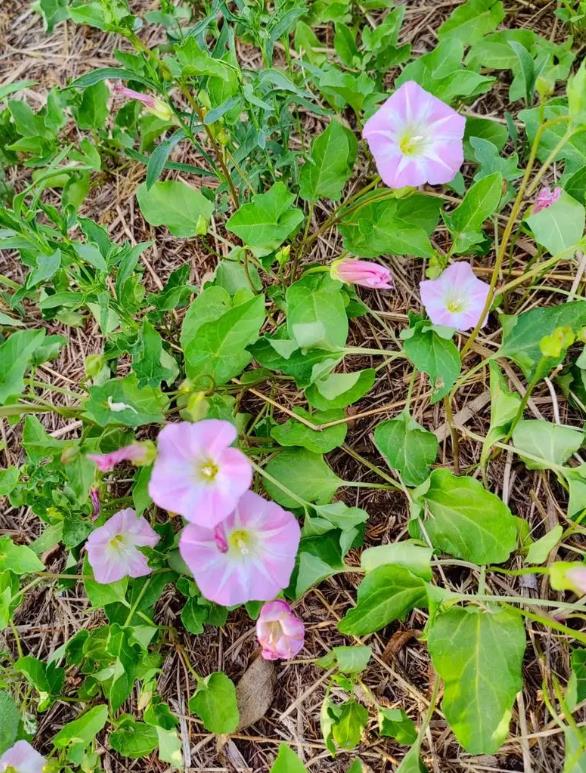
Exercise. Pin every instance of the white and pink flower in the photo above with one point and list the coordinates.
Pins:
(456, 298)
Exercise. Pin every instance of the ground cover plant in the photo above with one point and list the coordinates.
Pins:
(293, 386)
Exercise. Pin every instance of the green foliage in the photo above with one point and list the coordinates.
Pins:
(184, 210)
(431, 351)
(214, 702)
(407, 447)
(480, 202)
(287, 761)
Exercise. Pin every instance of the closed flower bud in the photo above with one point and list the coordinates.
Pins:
(279, 631)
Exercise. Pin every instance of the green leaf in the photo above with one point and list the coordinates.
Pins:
(350, 724)
(560, 226)
(122, 401)
(478, 653)
(525, 71)
(8, 480)
(540, 549)
(411, 762)
(319, 557)
(504, 406)
(150, 361)
(406, 553)
(433, 354)
(406, 447)
(553, 444)
(395, 723)
(480, 202)
(338, 390)
(398, 226)
(82, 731)
(333, 153)
(133, 739)
(19, 559)
(46, 678)
(214, 702)
(293, 433)
(306, 475)
(184, 210)
(316, 315)
(10, 721)
(471, 21)
(467, 521)
(576, 479)
(215, 350)
(267, 220)
(385, 594)
(93, 109)
(522, 334)
(287, 761)
(348, 660)
(577, 682)
(16, 355)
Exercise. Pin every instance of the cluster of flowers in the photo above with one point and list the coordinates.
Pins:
(238, 546)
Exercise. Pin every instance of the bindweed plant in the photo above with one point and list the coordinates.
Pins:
(217, 459)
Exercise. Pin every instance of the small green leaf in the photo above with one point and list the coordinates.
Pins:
(433, 354)
(395, 723)
(306, 475)
(122, 401)
(480, 202)
(330, 164)
(19, 559)
(184, 210)
(467, 521)
(350, 724)
(10, 721)
(471, 21)
(133, 739)
(551, 444)
(214, 702)
(287, 761)
(349, 660)
(8, 480)
(83, 730)
(294, 433)
(16, 355)
(338, 390)
(540, 549)
(385, 594)
(407, 447)
(267, 220)
(478, 653)
(316, 315)
(504, 406)
(408, 554)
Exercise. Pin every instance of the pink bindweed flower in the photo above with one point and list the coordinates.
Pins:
(456, 298)
(137, 453)
(154, 105)
(545, 198)
(247, 557)
(22, 758)
(361, 272)
(112, 549)
(197, 474)
(279, 631)
(415, 138)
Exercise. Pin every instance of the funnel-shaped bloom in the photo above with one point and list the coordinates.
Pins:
(22, 758)
(362, 272)
(247, 557)
(137, 453)
(154, 105)
(197, 474)
(415, 138)
(456, 298)
(113, 549)
(545, 198)
(279, 631)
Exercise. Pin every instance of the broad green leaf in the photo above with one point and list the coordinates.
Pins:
(338, 390)
(575, 756)
(294, 433)
(133, 739)
(19, 559)
(122, 401)
(344, 88)
(333, 153)
(150, 361)
(10, 721)
(397, 724)
(576, 692)
(504, 406)
(411, 762)
(407, 447)
(522, 334)
(433, 354)
(398, 226)
(490, 160)
(540, 549)
(209, 306)
(170, 748)
(316, 315)
(319, 557)
(216, 351)
(525, 72)
(406, 553)
(560, 226)
(480, 202)
(349, 660)
(83, 730)
(471, 21)
(16, 355)
(552, 443)
(267, 220)
(8, 480)
(467, 521)
(478, 653)
(214, 702)
(576, 479)
(350, 724)
(385, 594)
(184, 210)
(300, 474)
(46, 678)
(287, 761)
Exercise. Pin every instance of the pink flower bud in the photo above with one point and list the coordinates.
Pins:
(361, 272)
(279, 632)
(140, 454)
(545, 198)
(95, 500)
(154, 105)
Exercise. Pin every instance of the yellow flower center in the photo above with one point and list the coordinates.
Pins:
(240, 540)
(411, 144)
(455, 306)
(117, 542)
(208, 470)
